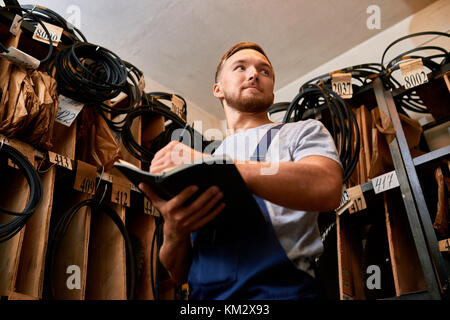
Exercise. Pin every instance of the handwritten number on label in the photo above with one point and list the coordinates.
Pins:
(385, 182)
(65, 116)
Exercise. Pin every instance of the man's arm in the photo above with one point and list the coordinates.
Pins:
(313, 183)
(179, 222)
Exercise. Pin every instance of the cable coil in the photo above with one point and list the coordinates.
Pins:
(13, 226)
(60, 230)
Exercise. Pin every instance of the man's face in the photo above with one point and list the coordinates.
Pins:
(246, 82)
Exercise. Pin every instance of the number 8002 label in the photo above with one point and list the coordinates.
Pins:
(413, 73)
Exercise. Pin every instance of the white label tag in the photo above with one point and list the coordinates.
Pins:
(68, 110)
(385, 182)
(413, 73)
(41, 35)
(21, 58)
(341, 83)
(15, 25)
(346, 202)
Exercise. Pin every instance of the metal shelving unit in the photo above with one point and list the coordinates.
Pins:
(436, 268)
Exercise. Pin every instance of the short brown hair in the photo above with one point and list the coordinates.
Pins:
(238, 47)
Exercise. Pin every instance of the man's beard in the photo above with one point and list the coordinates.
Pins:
(249, 103)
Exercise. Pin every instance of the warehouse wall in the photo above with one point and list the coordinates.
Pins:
(432, 18)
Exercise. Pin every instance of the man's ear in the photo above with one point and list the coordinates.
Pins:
(217, 90)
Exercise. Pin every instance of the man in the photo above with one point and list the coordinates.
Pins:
(274, 261)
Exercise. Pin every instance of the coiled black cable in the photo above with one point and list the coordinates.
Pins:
(315, 97)
(154, 274)
(87, 73)
(433, 62)
(166, 96)
(13, 226)
(63, 224)
(115, 116)
(50, 16)
(30, 16)
(140, 152)
(363, 74)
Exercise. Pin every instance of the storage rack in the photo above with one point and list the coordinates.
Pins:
(419, 269)
(93, 243)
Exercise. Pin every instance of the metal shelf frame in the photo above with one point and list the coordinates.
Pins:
(436, 269)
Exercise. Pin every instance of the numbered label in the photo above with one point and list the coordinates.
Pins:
(177, 106)
(26, 150)
(85, 178)
(341, 83)
(41, 35)
(385, 182)
(68, 110)
(120, 196)
(150, 209)
(346, 202)
(60, 160)
(413, 73)
(147, 206)
(444, 245)
(358, 200)
(15, 25)
(120, 193)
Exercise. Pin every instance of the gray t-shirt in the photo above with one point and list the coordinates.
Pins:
(297, 231)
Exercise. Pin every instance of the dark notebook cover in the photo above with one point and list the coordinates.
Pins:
(241, 207)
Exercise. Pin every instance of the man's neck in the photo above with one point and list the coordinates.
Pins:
(238, 120)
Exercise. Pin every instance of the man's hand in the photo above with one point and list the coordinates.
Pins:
(180, 220)
(173, 154)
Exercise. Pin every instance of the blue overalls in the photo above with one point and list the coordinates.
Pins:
(229, 264)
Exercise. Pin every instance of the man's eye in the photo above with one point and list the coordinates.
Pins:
(266, 72)
(239, 68)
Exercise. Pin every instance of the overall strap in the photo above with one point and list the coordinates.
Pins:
(264, 144)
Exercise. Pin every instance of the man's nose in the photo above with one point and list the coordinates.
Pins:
(252, 73)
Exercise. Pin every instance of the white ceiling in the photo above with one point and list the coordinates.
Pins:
(178, 43)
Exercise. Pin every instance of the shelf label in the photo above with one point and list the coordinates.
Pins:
(68, 110)
(341, 83)
(357, 197)
(85, 178)
(60, 160)
(26, 150)
(447, 82)
(41, 35)
(15, 25)
(413, 73)
(444, 245)
(346, 202)
(21, 58)
(120, 193)
(177, 106)
(385, 182)
(150, 209)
